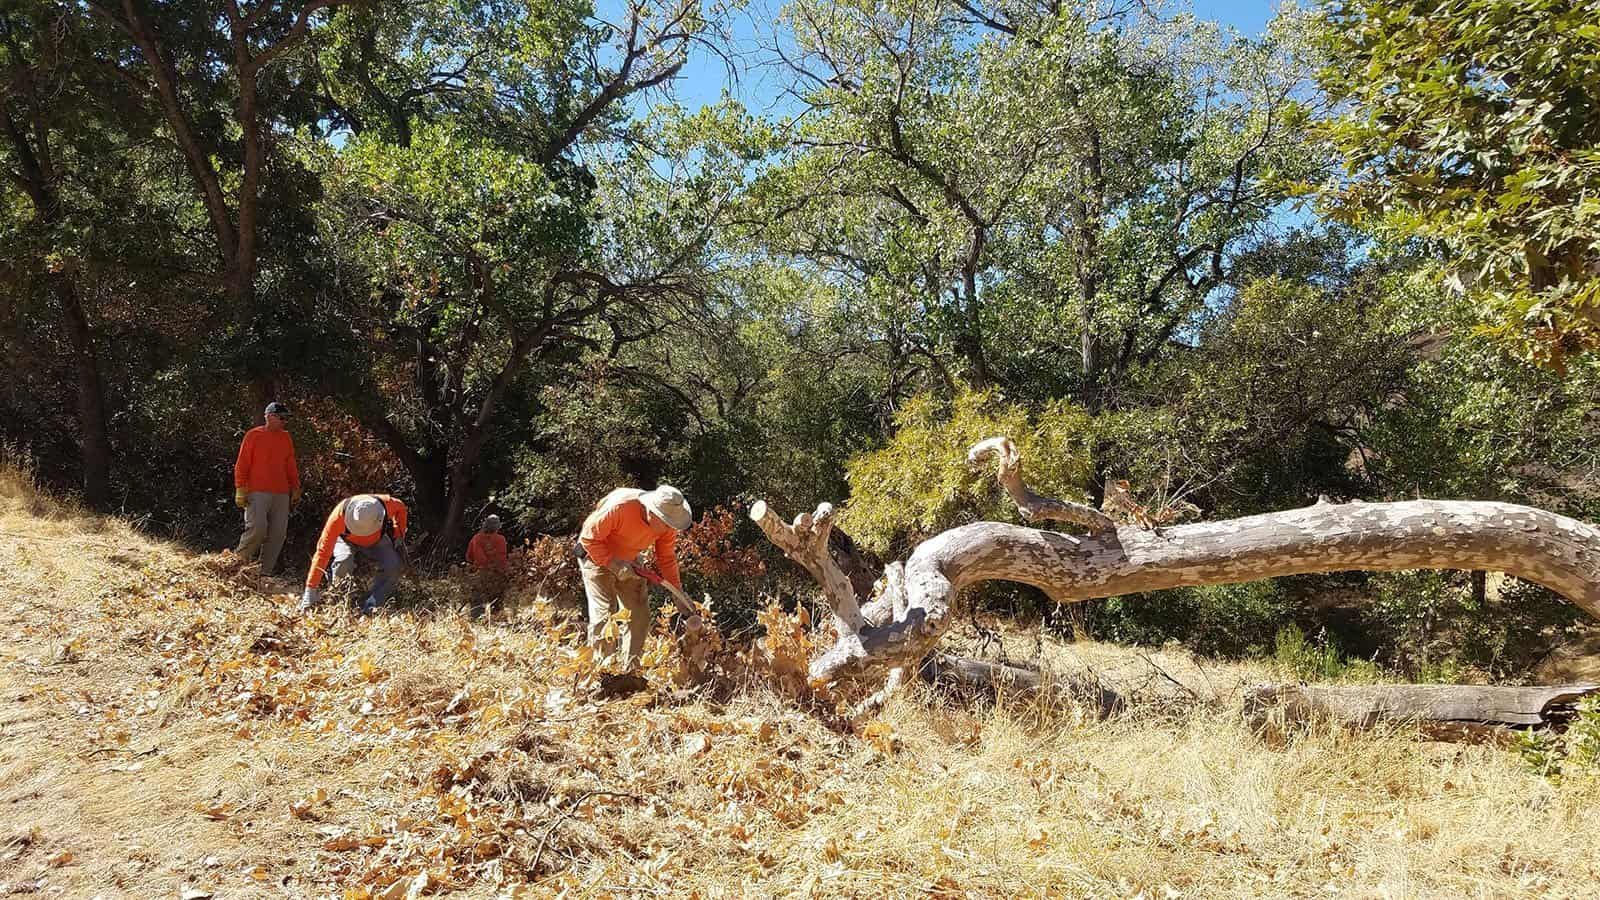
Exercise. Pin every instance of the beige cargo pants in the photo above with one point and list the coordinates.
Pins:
(608, 593)
(266, 521)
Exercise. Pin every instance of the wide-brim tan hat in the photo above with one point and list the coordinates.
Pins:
(363, 516)
(667, 502)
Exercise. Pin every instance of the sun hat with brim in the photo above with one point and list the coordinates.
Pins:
(363, 516)
(667, 502)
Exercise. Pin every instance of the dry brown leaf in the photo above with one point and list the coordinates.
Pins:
(63, 858)
(218, 811)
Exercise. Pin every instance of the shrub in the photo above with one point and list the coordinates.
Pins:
(1434, 629)
(1223, 620)
(920, 484)
(1576, 750)
(1319, 661)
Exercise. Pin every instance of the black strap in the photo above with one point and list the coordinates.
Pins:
(388, 524)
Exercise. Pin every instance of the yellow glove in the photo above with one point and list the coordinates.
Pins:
(239, 498)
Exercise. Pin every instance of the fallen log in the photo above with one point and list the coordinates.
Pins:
(893, 632)
(1440, 710)
(997, 681)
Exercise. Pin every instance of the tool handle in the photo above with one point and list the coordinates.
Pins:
(648, 574)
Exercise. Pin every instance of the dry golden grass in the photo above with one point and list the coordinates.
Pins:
(167, 727)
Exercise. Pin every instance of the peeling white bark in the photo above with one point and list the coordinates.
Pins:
(1034, 508)
(806, 542)
(1560, 553)
(903, 623)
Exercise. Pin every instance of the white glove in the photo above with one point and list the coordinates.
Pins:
(310, 598)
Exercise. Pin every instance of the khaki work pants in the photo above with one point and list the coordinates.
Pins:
(266, 521)
(608, 593)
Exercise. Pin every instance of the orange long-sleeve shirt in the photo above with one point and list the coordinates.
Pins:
(334, 528)
(617, 530)
(487, 550)
(266, 462)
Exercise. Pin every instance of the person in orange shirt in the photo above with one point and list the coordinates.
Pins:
(265, 484)
(486, 554)
(622, 526)
(369, 527)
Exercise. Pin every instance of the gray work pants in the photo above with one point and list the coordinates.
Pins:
(383, 554)
(607, 593)
(266, 521)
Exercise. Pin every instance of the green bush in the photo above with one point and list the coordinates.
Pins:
(1319, 661)
(920, 484)
(1221, 620)
(1577, 750)
(1432, 628)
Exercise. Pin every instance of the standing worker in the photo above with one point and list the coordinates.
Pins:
(622, 526)
(367, 526)
(486, 554)
(265, 484)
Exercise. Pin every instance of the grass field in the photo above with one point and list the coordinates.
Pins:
(167, 729)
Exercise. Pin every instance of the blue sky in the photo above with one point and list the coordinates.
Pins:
(705, 76)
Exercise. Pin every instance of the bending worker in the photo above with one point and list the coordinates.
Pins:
(265, 484)
(369, 527)
(622, 526)
(486, 554)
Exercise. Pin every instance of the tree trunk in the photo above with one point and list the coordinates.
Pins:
(1442, 710)
(95, 444)
(1559, 553)
(38, 179)
(898, 628)
(456, 508)
(998, 681)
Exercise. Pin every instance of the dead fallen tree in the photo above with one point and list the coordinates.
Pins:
(994, 680)
(884, 637)
(1438, 710)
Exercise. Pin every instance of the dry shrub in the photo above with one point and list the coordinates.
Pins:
(707, 549)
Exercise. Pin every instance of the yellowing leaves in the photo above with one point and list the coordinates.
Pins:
(882, 736)
(369, 670)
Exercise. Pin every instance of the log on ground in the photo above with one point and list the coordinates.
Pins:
(1440, 710)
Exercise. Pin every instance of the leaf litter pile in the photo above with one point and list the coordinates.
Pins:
(501, 760)
(169, 729)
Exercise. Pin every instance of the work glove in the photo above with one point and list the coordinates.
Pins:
(622, 568)
(239, 498)
(310, 598)
(294, 497)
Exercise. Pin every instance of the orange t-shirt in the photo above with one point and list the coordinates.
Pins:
(617, 530)
(266, 462)
(487, 550)
(333, 530)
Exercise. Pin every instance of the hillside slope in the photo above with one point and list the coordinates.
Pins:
(166, 729)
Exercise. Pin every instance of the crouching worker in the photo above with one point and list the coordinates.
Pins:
(369, 527)
(621, 527)
(486, 554)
